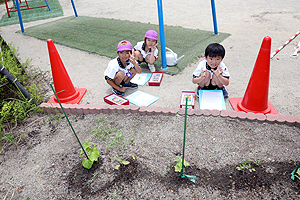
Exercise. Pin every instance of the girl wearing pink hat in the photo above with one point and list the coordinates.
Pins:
(122, 69)
(146, 51)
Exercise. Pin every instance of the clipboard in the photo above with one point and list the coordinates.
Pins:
(211, 99)
(141, 98)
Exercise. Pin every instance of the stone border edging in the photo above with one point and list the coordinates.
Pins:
(172, 111)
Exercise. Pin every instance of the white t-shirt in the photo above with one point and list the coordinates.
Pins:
(115, 66)
(202, 67)
(141, 47)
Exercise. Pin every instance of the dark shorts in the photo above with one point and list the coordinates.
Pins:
(142, 61)
(211, 87)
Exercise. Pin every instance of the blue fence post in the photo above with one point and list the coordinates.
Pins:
(20, 16)
(74, 8)
(213, 9)
(162, 35)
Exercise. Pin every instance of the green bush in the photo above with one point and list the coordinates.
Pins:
(14, 106)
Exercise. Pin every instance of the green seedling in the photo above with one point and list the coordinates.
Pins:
(93, 154)
(90, 181)
(245, 166)
(178, 166)
(257, 162)
(102, 131)
(297, 174)
(119, 141)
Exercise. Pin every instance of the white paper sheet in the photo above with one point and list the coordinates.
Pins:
(211, 100)
(141, 98)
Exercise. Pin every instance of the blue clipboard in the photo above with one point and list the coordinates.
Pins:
(212, 99)
(135, 79)
(141, 98)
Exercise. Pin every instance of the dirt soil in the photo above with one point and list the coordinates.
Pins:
(46, 164)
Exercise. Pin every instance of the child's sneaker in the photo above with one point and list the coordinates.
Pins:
(151, 67)
(130, 85)
(225, 93)
(118, 92)
(199, 88)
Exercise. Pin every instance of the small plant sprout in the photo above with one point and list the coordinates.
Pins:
(118, 140)
(245, 166)
(257, 162)
(93, 154)
(297, 174)
(178, 166)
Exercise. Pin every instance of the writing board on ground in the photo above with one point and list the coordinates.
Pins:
(211, 99)
(141, 98)
(155, 79)
(191, 99)
(114, 99)
(141, 79)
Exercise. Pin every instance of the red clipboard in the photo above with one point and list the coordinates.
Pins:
(191, 99)
(155, 79)
(114, 99)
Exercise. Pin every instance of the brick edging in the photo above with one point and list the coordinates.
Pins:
(93, 109)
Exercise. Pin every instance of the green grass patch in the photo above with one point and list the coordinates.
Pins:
(101, 36)
(33, 14)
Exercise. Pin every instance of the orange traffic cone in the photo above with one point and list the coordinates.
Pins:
(256, 96)
(63, 86)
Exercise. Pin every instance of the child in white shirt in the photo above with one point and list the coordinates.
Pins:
(122, 69)
(212, 73)
(146, 51)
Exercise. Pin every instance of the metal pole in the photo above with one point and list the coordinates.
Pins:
(20, 16)
(162, 34)
(74, 8)
(213, 9)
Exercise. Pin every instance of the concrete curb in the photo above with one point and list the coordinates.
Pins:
(172, 111)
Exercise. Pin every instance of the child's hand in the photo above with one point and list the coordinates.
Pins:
(154, 47)
(218, 71)
(132, 59)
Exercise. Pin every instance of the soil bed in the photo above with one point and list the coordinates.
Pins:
(46, 164)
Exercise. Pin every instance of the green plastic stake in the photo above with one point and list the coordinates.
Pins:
(295, 170)
(68, 120)
(191, 178)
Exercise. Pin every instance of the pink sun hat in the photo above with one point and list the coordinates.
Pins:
(124, 45)
(151, 34)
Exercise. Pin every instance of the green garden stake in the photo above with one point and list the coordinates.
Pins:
(191, 178)
(68, 120)
(295, 170)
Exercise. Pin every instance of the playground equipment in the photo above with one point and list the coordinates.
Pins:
(16, 5)
(23, 7)
(62, 82)
(256, 96)
(162, 32)
(172, 57)
(286, 43)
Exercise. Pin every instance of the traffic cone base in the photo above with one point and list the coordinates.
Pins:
(237, 106)
(75, 99)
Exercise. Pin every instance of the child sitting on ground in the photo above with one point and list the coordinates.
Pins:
(211, 73)
(146, 51)
(122, 69)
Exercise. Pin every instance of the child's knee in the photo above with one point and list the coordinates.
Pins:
(119, 77)
(138, 55)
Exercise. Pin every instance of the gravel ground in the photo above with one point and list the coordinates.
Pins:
(46, 165)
